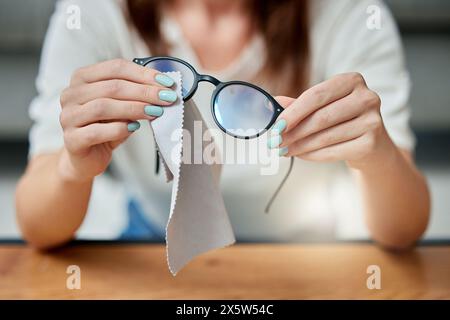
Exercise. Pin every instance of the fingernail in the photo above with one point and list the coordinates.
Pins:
(154, 111)
(279, 126)
(164, 80)
(168, 95)
(133, 126)
(274, 142)
(283, 151)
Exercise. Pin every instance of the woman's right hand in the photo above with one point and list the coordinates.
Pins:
(100, 109)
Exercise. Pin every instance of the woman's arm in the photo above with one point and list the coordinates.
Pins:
(340, 120)
(396, 197)
(100, 109)
(50, 206)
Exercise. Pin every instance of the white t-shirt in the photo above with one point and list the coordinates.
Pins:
(316, 196)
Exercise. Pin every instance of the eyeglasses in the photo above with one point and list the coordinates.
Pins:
(239, 108)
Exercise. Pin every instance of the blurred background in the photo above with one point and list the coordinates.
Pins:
(425, 27)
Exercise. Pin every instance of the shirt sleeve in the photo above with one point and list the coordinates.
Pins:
(358, 45)
(65, 49)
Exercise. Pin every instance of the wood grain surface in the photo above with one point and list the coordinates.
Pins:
(243, 271)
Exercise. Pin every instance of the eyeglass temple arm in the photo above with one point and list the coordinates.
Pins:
(269, 204)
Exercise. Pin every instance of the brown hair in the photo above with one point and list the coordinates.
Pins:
(283, 24)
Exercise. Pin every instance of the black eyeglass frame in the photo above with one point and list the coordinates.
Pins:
(277, 108)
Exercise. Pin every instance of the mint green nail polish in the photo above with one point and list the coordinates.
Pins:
(133, 126)
(279, 126)
(283, 151)
(274, 142)
(168, 95)
(154, 111)
(164, 80)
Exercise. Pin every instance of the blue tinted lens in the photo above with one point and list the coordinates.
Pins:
(167, 65)
(242, 110)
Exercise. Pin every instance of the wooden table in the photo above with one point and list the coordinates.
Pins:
(243, 271)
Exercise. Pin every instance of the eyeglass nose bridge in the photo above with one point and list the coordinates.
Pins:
(208, 78)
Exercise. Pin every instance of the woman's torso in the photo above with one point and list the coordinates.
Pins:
(303, 209)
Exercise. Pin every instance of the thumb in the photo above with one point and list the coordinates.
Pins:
(284, 101)
(116, 143)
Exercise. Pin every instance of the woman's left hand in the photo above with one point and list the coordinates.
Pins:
(338, 119)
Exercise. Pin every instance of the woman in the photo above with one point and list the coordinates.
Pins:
(343, 84)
